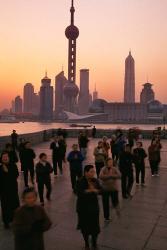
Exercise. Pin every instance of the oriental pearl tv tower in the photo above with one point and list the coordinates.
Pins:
(70, 89)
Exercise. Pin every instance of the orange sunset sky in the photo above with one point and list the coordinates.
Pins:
(32, 39)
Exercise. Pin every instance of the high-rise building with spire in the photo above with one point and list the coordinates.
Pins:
(60, 82)
(46, 99)
(95, 94)
(70, 89)
(83, 100)
(129, 84)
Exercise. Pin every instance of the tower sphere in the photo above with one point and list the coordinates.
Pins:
(72, 32)
(71, 90)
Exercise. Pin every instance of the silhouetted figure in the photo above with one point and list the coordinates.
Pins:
(28, 156)
(8, 189)
(83, 143)
(12, 153)
(94, 130)
(43, 171)
(14, 139)
(75, 159)
(139, 155)
(58, 152)
(126, 168)
(29, 224)
(154, 156)
(88, 189)
(114, 148)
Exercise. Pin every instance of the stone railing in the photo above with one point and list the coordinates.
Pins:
(46, 135)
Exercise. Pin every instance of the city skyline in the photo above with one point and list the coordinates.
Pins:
(24, 59)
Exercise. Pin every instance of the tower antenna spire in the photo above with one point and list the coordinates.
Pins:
(72, 10)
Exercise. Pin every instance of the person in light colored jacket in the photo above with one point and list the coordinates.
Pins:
(110, 176)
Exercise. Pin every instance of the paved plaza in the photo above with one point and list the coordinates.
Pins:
(143, 221)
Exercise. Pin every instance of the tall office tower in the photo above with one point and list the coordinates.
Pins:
(70, 89)
(129, 84)
(18, 104)
(90, 99)
(36, 104)
(60, 82)
(147, 93)
(46, 99)
(95, 94)
(28, 94)
(83, 100)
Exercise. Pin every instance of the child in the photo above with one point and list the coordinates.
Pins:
(43, 171)
(30, 221)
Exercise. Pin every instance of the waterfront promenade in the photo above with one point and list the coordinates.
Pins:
(143, 221)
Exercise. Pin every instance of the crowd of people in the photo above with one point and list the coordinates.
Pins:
(115, 161)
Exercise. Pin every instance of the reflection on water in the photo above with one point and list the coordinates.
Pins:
(29, 127)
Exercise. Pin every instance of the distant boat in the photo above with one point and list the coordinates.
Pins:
(74, 125)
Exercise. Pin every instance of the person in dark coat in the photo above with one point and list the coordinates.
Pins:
(154, 157)
(63, 147)
(28, 156)
(29, 224)
(12, 153)
(126, 168)
(8, 189)
(75, 159)
(43, 171)
(83, 143)
(114, 148)
(139, 155)
(88, 189)
(58, 151)
(14, 139)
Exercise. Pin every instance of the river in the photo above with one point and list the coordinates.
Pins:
(30, 127)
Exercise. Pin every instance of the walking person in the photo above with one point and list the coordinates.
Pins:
(14, 139)
(28, 156)
(88, 189)
(83, 143)
(114, 149)
(126, 168)
(43, 171)
(29, 224)
(100, 157)
(75, 160)
(109, 175)
(139, 155)
(57, 155)
(8, 189)
(63, 147)
(154, 157)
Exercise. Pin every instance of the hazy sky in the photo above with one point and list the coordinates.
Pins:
(32, 39)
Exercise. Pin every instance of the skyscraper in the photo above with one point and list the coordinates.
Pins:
(129, 84)
(18, 104)
(147, 93)
(28, 94)
(36, 104)
(46, 99)
(95, 94)
(60, 81)
(83, 100)
(70, 89)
